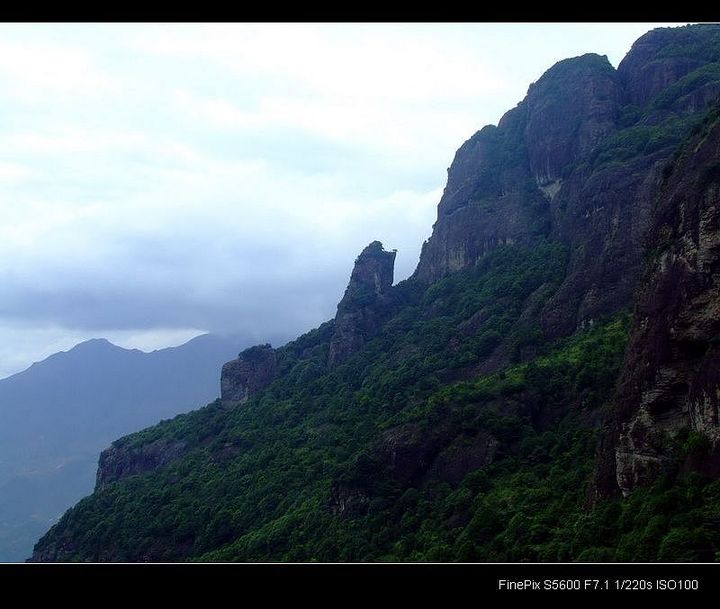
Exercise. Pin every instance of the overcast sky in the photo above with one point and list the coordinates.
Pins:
(160, 181)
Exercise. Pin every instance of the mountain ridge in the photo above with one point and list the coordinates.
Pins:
(58, 414)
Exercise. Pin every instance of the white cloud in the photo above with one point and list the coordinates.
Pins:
(368, 86)
(393, 62)
(38, 69)
(159, 180)
(15, 172)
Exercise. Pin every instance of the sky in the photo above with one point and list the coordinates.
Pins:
(159, 181)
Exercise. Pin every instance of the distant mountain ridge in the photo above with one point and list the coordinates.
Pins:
(58, 414)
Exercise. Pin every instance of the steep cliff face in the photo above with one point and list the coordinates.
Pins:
(253, 370)
(579, 161)
(662, 57)
(361, 310)
(490, 200)
(602, 213)
(562, 128)
(671, 384)
(502, 178)
(593, 208)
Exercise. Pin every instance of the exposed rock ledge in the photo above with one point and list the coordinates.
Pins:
(119, 461)
(361, 311)
(242, 378)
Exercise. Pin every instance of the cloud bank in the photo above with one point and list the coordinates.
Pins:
(159, 181)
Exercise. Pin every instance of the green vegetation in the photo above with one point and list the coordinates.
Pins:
(699, 42)
(258, 483)
(674, 520)
(707, 74)
(660, 124)
(641, 139)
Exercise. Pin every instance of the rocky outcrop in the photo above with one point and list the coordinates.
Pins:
(671, 382)
(490, 200)
(347, 500)
(562, 127)
(465, 454)
(603, 210)
(551, 169)
(242, 378)
(120, 461)
(408, 451)
(363, 308)
(412, 453)
(662, 57)
(502, 179)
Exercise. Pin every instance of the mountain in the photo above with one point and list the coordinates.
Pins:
(543, 388)
(56, 417)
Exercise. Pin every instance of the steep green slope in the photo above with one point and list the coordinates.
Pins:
(262, 462)
(261, 484)
(439, 512)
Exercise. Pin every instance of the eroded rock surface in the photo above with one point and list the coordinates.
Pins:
(671, 383)
(253, 370)
(363, 308)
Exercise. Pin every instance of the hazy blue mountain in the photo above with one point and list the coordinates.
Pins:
(56, 417)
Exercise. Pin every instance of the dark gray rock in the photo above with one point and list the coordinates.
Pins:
(490, 200)
(408, 451)
(365, 304)
(347, 500)
(571, 108)
(502, 179)
(602, 215)
(670, 382)
(464, 455)
(660, 58)
(242, 378)
(413, 454)
(120, 461)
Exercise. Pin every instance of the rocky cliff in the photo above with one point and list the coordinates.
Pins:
(490, 200)
(670, 388)
(503, 179)
(602, 210)
(361, 311)
(664, 56)
(120, 461)
(579, 161)
(253, 370)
